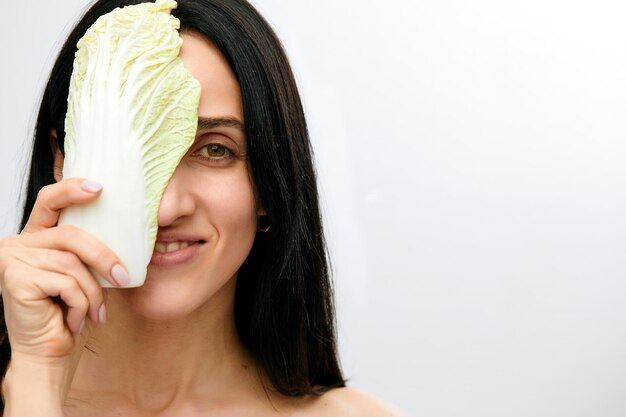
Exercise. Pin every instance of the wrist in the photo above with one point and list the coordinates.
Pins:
(34, 388)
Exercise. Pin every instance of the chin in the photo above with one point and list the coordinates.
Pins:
(162, 299)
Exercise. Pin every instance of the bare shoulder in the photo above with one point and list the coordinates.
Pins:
(348, 402)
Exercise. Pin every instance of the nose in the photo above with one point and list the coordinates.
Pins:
(177, 202)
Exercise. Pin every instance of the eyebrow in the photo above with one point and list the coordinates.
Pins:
(206, 123)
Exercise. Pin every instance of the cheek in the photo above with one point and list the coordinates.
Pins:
(228, 205)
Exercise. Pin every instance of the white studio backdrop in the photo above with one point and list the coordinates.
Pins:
(472, 165)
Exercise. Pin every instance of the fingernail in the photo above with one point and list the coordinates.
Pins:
(91, 186)
(82, 326)
(102, 314)
(120, 275)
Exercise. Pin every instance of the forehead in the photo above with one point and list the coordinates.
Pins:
(220, 95)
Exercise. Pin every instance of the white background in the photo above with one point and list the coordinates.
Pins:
(472, 162)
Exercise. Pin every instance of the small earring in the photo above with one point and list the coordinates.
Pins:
(266, 226)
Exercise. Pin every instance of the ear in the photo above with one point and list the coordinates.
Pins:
(260, 210)
(57, 155)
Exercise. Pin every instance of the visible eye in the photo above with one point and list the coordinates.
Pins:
(215, 151)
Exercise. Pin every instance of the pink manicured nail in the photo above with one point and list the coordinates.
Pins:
(91, 186)
(102, 314)
(82, 326)
(120, 275)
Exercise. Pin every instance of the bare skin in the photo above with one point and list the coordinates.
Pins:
(169, 348)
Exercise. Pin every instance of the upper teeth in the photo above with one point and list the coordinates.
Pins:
(170, 246)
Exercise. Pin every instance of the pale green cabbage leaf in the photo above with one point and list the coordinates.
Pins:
(132, 116)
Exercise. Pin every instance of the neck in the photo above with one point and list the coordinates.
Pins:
(154, 364)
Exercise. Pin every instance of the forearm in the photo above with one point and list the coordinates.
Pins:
(34, 390)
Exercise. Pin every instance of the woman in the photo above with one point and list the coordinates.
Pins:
(242, 327)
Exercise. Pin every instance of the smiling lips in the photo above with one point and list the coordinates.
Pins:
(175, 248)
(165, 247)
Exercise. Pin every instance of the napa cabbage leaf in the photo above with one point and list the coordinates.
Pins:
(132, 116)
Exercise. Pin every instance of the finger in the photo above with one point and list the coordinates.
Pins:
(67, 263)
(90, 250)
(53, 198)
(67, 289)
(29, 285)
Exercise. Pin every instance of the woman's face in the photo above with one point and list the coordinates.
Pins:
(210, 198)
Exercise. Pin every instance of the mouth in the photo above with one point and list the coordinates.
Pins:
(171, 247)
(175, 253)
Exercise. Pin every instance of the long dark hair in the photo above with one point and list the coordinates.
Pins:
(284, 300)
